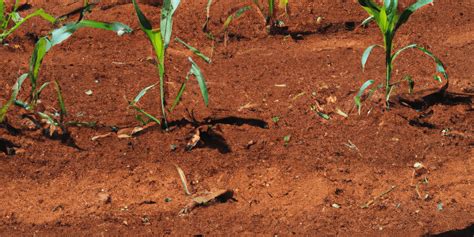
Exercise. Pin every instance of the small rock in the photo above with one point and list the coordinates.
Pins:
(104, 198)
(420, 169)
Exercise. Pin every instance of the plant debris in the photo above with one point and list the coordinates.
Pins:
(208, 198)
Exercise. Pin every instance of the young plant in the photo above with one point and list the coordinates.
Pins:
(269, 18)
(44, 45)
(230, 19)
(389, 20)
(160, 40)
(208, 16)
(270, 15)
(11, 21)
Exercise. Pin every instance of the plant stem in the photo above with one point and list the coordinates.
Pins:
(161, 72)
(388, 64)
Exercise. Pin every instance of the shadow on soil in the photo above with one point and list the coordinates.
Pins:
(467, 232)
(212, 139)
(441, 96)
(7, 147)
(231, 120)
(326, 28)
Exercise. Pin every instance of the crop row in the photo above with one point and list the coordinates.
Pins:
(386, 15)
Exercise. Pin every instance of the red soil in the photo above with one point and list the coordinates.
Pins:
(49, 188)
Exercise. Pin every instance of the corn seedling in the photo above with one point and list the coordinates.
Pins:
(208, 16)
(160, 40)
(230, 19)
(270, 19)
(275, 119)
(287, 139)
(389, 20)
(270, 15)
(11, 21)
(44, 45)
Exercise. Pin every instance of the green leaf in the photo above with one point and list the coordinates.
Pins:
(138, 109)
(241, 11)
(196, 71)
(194, 50)
(372, 8)
(411, 83)
(166, 24)
(383, 20)
(357, 98)
(15, 90)
(144, 22)
(440, 68)
(15, 16)
(439, 65)
(369, 4)
(202, 84)
(19, 21)
(157, 42)
(235, 15)
(410, 10)
(283, 4)
(61, 34)
(395, 55)
(48, 118)
(41, 47)
(367, 21)
(319, 113)
(391, 7)
(392, 12)
(271, 8)
(287, 139)
(117, 27)
(38, 92)
(2, 12)
(141, 94)
(366, 54)
(180, 92)
(156, 120)
(323, 115)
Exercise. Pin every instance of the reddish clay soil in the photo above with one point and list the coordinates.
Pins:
(314, 184)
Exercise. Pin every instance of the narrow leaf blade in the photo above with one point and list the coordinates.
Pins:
(194, 50)
(409, 11)
(142, 93)
(366, 54)
(15, 91)
(196, 71)
(166, 24)
(357, 98)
